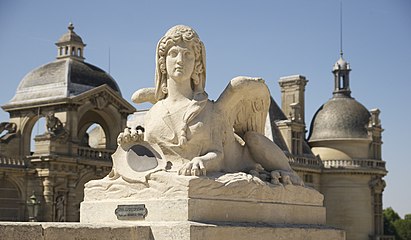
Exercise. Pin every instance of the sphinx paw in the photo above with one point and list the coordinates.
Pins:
(291, 177)
(193, 168)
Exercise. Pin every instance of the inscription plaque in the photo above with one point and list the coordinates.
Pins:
(131, 212)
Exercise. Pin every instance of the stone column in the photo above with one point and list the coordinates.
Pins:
(72, 208)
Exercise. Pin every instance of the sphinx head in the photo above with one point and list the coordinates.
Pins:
(174, 36)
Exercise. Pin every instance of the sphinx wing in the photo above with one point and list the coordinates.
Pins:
(245, 102)
(144, 95)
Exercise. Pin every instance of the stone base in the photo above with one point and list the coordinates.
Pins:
(223, 206)
(205, 210)
(166, 231)
(235, 197)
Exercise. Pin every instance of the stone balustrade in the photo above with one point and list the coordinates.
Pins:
(12, 162)
(95, 154)
(364, 163)
(355, 163)
(298, 160)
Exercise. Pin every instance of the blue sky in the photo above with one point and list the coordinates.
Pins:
(263, 38)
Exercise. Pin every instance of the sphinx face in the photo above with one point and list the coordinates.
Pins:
(180, 62)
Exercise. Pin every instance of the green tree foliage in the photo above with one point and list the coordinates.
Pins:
(403, 227)
(390, 216)
(394, 225)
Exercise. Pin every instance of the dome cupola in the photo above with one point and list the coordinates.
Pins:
(70, 45)
(67, 76)
(342, 117)
(341, 71)
(339, 129)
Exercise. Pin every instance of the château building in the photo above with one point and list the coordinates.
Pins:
(341, 157)
(84, 112)
(71, 96)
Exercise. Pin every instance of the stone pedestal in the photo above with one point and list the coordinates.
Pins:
(223, 206)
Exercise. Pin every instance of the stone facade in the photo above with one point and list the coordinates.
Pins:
(54, 174)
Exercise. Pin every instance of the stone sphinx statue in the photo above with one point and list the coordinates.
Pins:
(194, 135)
(196, 159)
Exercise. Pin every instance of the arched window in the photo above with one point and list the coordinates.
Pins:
(66, 51)
(94, 137)
(73, 51)
(79, 53)
(95, 132)
(38, 130)
(10, 202)
(61, 51)
(341, 82)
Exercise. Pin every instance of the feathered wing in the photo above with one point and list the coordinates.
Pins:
(246, 102)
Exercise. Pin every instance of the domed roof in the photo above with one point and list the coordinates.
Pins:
(68, 76)
(61, 79)
(340, 118)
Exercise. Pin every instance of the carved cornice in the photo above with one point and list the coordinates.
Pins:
(292, 81)
(102, 96)
(71, 103)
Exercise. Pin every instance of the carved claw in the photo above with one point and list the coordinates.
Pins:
(260, 173)
(193, 168)
(288, 177)
(275, 177)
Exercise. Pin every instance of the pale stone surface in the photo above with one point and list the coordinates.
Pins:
(277, 232)
(236, 197)
(206, 210)
(144, 95)
(350, 196)
(166, 231)
(21, 231)
(233, 231)
(234, 186)
(73, 231)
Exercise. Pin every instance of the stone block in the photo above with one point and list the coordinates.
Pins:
(206, 210)
(261, 231)
(21, 231)
(72, 231)
(76, 231)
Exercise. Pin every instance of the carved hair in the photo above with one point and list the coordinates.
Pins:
(171, 38)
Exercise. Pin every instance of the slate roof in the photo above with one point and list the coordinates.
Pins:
(61, 79)
(342, 117)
